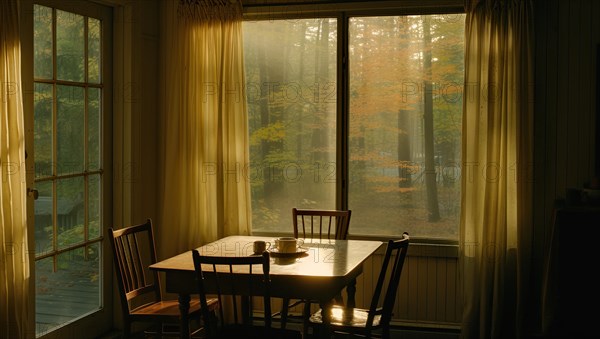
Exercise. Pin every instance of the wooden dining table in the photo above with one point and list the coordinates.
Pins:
(323, 269)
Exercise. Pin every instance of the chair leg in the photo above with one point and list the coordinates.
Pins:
(386, 333)
(305, 319)
(339, 300)
(284, 312)
(126, 329)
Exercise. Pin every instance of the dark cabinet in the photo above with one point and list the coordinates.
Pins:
(573, 268)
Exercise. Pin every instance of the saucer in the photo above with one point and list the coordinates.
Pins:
(300, 251)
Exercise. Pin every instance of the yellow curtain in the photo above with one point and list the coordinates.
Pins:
(496, 219)
(14, 262)
(205, 192)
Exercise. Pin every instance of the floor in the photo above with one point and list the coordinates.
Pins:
(423, 334)
(396, 334)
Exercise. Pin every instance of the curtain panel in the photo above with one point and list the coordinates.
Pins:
(14, 260)
(204, 142)
(497, 149)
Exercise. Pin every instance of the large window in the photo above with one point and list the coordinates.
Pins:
(395, 125)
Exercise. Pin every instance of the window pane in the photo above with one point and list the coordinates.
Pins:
(70, 46)
(70, 129)
(406, 75)
(43, 129)
(42, 41)
(93, 50)
(291, 92)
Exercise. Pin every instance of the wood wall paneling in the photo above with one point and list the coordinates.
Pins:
(566, 35)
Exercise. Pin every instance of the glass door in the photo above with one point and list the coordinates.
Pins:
(71, 103)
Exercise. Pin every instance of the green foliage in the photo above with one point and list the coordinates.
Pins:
(70, 235)
(272, 132)
(265, 216)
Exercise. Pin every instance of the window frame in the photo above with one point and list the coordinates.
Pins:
(343, 12)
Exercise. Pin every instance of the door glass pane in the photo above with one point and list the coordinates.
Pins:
(70, 46)
(45, 283)
(291, 87)
(42, 38)
(43, 129)
(94, 210)
(93, 50)
(406, 76)
(70, 129)
(69, 290)
(44, 232)
(93, 129)
(70, 211)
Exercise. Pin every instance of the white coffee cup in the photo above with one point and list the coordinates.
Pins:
(288, 244)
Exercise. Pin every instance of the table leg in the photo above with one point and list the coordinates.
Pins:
(351, 291)
(184, 323)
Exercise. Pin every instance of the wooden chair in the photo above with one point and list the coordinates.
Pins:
(316, 224)
(139, 288)
(363, 322)
(321, 224)
(216, 272)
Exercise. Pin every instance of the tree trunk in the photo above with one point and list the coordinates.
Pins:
(404, 174)
(300, 132)
(319, 135)
(430, 175)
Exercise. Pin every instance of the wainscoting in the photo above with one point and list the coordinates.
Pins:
(429, 293)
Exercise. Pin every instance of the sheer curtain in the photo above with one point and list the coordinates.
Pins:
(496, 221)
(14, 263)
(205, 192)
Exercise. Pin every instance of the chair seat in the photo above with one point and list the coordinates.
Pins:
(171, 308)
(344, 317)
(257, 332)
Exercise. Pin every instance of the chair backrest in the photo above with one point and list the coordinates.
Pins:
(133, 251)
(214, 277)
(312, 223)
(395, 255)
